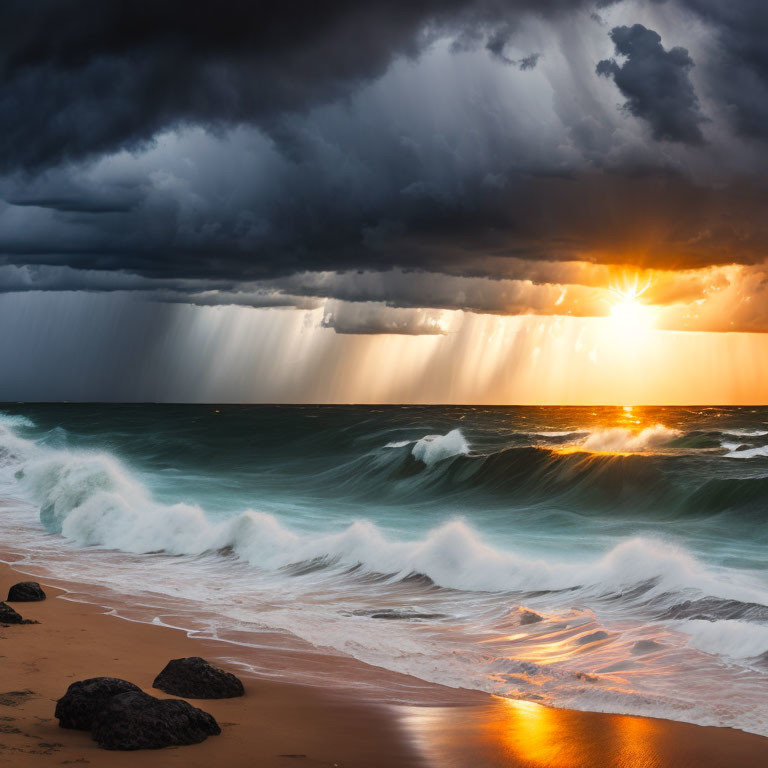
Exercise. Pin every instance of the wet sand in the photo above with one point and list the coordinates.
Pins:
(284, 724)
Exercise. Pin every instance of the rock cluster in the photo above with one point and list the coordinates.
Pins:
(120, 715)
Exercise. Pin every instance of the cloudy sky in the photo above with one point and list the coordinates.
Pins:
(422, 201)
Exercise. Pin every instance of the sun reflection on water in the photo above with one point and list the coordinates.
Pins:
(623, 432)
(529, 735)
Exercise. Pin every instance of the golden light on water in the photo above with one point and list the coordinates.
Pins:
(530, 734)
(542, 737)
(527, 734)
(624, 432)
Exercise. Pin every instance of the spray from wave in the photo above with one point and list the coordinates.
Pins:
(741, 452)
(623, 440)
(434, 448)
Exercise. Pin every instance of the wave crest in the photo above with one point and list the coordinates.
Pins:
(434, 448)
(623, 440)
(93, 500)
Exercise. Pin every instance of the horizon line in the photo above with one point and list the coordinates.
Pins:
(4, 403)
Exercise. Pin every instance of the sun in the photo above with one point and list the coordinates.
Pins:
(628, 315)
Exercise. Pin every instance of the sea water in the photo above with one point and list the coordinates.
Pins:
(607, 559)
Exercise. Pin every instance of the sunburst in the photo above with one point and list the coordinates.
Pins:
(628, 314)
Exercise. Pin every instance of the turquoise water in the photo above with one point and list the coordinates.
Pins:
(413, 537)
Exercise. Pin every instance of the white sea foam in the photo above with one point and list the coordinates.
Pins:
(15, 420)
(434, 448)
(622, 440)
(735, 639)
(744, 453)
(13, 450)
(745, 432)
(94, 501)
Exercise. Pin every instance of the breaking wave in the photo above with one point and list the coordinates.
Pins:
(623, 440)
(736, 452)
(93, 500)
(434, 448)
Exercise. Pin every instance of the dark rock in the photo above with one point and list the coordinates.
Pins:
(136, 720)
(9, 616)
(26, 592)
(529, 617)
(84, 699)
(195, 678)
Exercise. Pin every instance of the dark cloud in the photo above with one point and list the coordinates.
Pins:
(83, 77)
(655, 83)
(304, 225)
(74, 204)
(497, 43)
(375, 319)
(529, 62)
(259, 298)
(737, 74)
(216, 148)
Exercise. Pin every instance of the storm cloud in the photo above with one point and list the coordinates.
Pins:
(656, 84)
(83, 77)
(262, 154)
(737, 71)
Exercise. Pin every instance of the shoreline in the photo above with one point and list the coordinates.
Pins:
(281, 723)
(273, 721)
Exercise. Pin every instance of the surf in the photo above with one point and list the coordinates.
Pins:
(448, 523)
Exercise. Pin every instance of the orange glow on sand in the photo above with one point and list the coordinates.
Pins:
(525, 734)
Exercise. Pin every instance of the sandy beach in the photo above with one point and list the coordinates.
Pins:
(75, 641)
(283, 724)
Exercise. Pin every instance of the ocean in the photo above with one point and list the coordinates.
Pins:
(608, 559)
